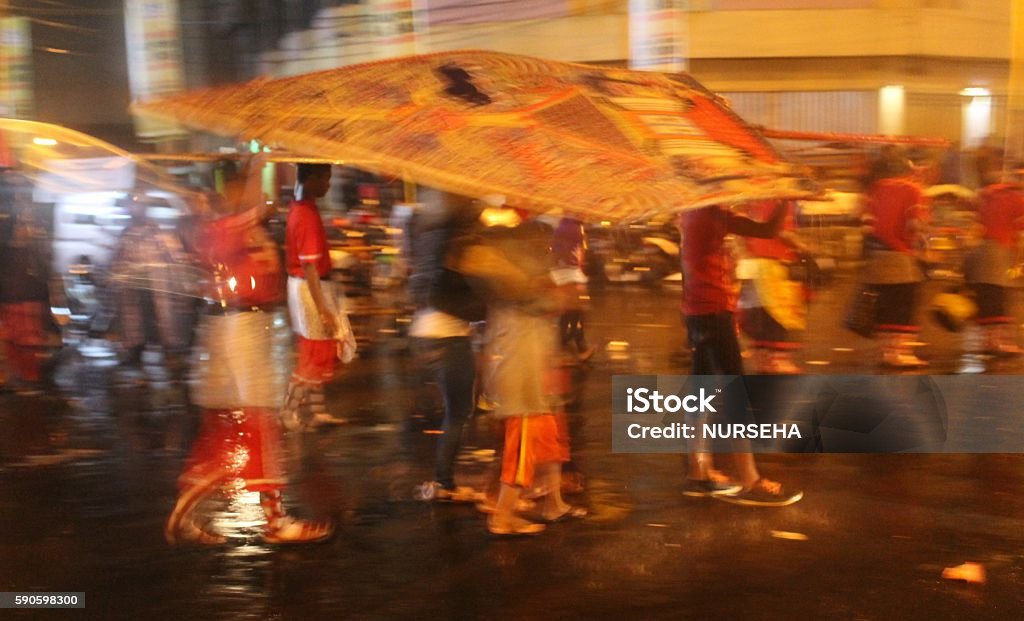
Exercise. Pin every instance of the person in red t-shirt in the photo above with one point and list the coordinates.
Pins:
(239, 444)
(316, 311)
(896, 210)
(709, 303)
(986, 269)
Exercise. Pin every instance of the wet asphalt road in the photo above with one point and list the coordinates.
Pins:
(87, 478)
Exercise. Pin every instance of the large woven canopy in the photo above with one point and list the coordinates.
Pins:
(598, 142)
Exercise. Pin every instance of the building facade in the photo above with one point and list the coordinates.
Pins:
(918, 67)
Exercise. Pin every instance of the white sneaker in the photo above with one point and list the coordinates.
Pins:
(972, 363)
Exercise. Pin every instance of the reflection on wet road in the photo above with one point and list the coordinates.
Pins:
(87, 477)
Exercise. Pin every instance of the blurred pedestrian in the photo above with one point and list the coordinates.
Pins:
(896, 210)
(446, 304)
(152, 307)
(951, 165)
(515, 266)
(24, 285)
(772, 305)
(709, 309)
(239, 384)
(569, 247)
(316, 307)
(987, 268)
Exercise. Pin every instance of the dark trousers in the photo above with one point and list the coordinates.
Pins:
(453, 365)
(760, 326)
(991, 301)
(714, 344)
(571, 324)
(895, 306)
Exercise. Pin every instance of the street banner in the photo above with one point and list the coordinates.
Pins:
(16, 94)
(155, 66)
(816, 414)
(658, 38)
(393, 25)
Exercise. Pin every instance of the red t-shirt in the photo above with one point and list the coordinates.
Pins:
(895, 204)
(306, 240)
(708, 268)
(243, 258)
(772, 248)
(1002, 213)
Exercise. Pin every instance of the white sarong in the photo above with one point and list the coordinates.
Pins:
(235, 362)
(306, 319)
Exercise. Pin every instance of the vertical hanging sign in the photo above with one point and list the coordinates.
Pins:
(393, 26)
(16, 95)
(1015, 91)
(155, 68)
(658, 38)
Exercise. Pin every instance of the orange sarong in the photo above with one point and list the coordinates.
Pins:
(532, 440)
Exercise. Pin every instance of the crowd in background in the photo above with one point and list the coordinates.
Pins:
(517, 287)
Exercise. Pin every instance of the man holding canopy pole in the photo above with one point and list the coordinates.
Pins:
(709, 308)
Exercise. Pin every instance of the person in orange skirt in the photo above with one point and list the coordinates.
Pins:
(239, 445)
(523, 301)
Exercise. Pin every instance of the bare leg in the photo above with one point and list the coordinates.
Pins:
(746, 469)
(298, 396)
(504, 520)
(700, 465)
(549, 477)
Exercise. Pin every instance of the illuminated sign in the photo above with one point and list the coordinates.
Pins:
(657, 35)
(15, 67)
(155, 68)
(393, 27)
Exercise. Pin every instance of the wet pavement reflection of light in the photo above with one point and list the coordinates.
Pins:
(86, 483)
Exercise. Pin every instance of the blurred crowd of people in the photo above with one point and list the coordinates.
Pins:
(917, 223)
(498, 298)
